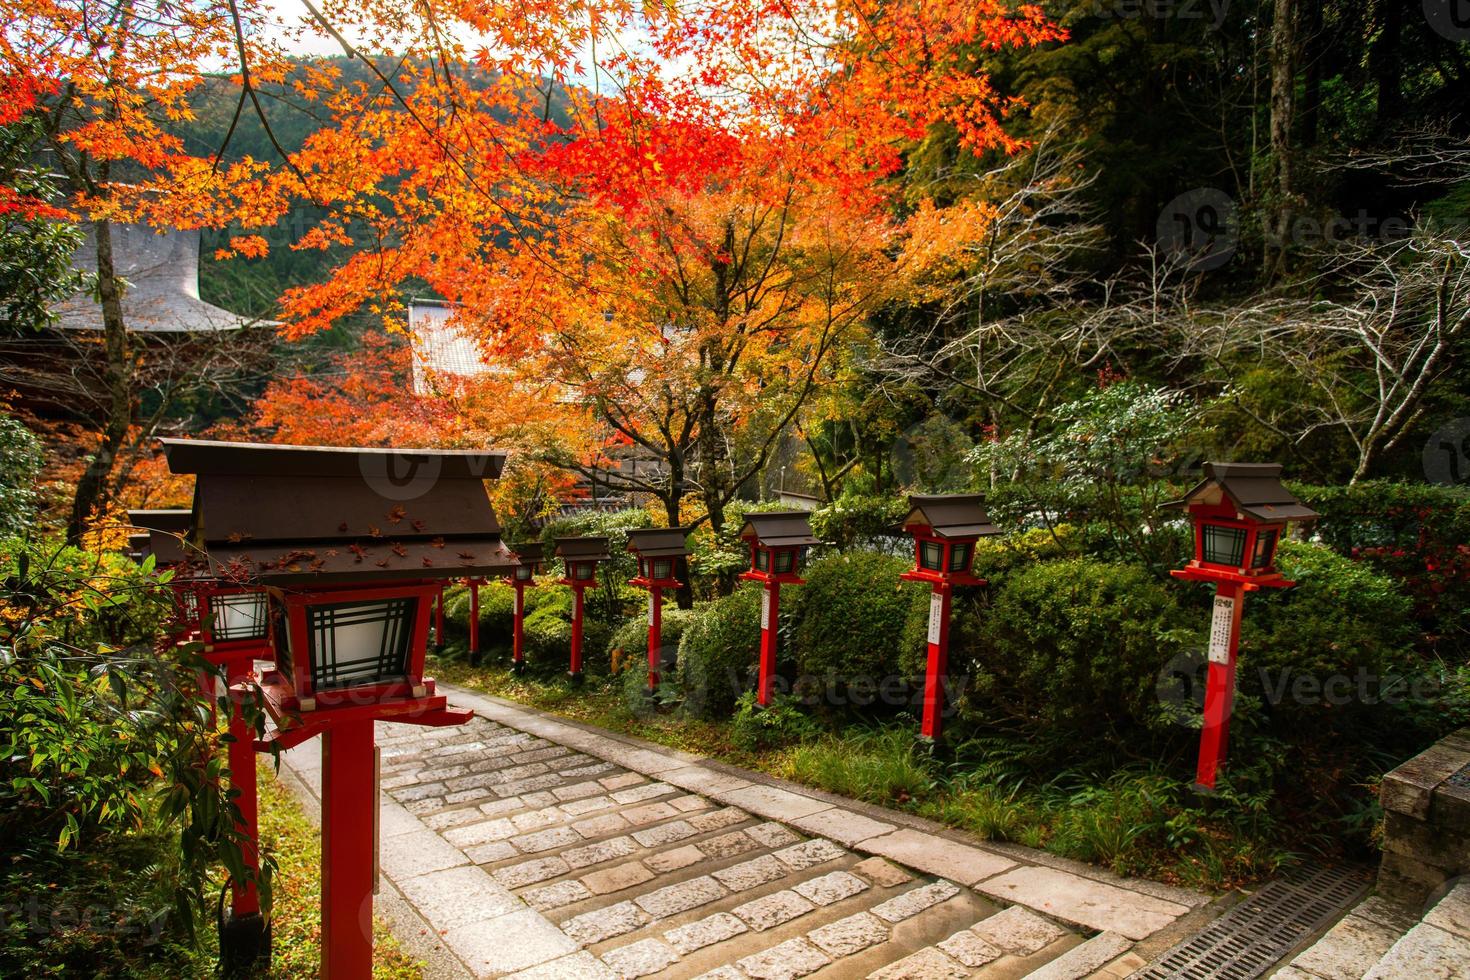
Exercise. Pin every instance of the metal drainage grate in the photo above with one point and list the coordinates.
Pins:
(1252, 937)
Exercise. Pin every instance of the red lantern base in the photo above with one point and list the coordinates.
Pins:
(349, 790)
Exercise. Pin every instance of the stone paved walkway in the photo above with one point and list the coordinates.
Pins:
(527, 846)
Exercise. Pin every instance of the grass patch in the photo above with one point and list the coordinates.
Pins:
(287, 833)
(878, 766)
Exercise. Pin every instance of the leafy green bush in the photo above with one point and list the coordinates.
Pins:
(851, 615)
(21, 460)
(1073, 648)
(105, 746)
(1342, 615)
(1333, 659)
(719, 653)
(1419, 534)
(718, 558)
(548, 642)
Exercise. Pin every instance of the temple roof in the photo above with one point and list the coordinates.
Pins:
(162, 295)
(440, 347)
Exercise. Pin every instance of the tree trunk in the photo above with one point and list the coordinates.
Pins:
(673, 504)
(1283, 110)
(1386, 65)
(1312, 54)
(92, 488)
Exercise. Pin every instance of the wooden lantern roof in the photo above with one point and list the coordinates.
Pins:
(1254, 488)
(530, 553)
(331, 515)
(950, 515)
(659, 542)
(582, 549)
(779, 529)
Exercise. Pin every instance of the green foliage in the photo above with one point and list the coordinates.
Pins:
(102, 738)
(1418, 534)
(1074, 647)
(614, 526)
(629, 642)
(874, 765)
(719, 653)
(851, 615)
(548, 641)
(783, 722)
(1342, 615)
(932, 456)
(35, 253)
(21, 460)
(723, 556)
(859, 521)
(1105, 457)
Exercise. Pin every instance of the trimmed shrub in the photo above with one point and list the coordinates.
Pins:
(629, 642)
(548, 639)
(1340, 616)
(1338, 645)
(1076, 646)
(851, 616)
(719, 653)
(1417, 533)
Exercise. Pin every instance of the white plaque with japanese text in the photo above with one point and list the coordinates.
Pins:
(1220, 625)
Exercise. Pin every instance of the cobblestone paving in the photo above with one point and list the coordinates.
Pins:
(533, 854)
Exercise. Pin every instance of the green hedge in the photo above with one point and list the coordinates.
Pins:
(719, 653)
(1417, 533)
(1074, 646)
(855, 617)
(629, 642)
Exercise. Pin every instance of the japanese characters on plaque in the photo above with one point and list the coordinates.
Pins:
(1220, 625)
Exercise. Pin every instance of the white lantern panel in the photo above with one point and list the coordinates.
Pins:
(240, 616)
(360, 642)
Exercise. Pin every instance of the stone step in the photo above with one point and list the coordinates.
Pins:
(1435, 948)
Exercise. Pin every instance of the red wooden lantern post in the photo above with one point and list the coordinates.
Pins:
(528, 563)
(1239, 513)
(580, 556)
(778, 541)
(353, 558)
(233, 627)
(658, 550)
(945, 529)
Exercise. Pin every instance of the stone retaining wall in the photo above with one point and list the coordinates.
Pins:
(1426, 804)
